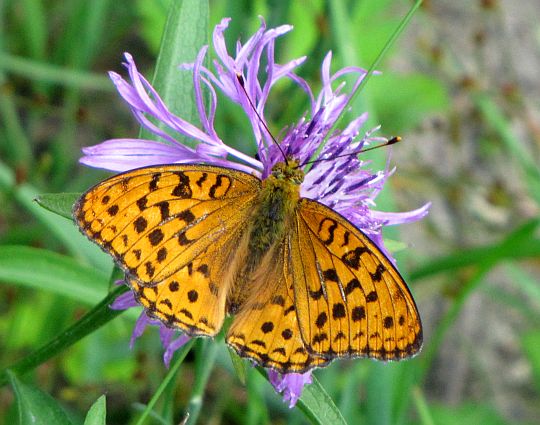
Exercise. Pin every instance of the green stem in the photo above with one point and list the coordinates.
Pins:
(401, 27)
(206, 356)
(426, 418)
(168, 378)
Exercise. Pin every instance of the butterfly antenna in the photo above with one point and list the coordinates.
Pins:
(389, 142)
(241, 81)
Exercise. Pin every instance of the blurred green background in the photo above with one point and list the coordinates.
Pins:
(461, 87)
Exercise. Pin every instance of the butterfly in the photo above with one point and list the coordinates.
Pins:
(303, 284)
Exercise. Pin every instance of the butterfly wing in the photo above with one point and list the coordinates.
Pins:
(266, 329)
(350, 299)
(173, 230)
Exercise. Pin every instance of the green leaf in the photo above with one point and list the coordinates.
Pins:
(521, 243)
(36, 407)
(239, 365)
(186, 31)
(52, 74)
(318, 406)
(52, 272)
(97, 413)
(422, 407)
(58, 203)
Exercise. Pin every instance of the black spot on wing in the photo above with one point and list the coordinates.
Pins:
(338, 311)
(352, 258)
(372, 297)
(155, 237)
(140, 224)
(221, 180)
(154, 182)
(113, 210)
(142, 203)
(330, 275)
(321, 320)
(358, 313)
(351, 286)
(377, 274)
(182, 189)
(332, 226)
(202, 179)
(164, 210)
(267, 327)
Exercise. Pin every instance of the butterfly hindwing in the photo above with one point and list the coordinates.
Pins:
(350, 299)
(266, 327)
(194, 297)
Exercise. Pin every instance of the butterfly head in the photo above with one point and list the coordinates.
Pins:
(289, 171)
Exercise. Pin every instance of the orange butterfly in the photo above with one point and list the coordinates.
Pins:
(305, 285)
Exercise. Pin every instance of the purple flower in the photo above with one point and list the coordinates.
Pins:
(290, 384)
(344, 182)
(127, 300)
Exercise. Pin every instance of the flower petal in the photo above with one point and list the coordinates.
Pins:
(127, 154)
(290, 384)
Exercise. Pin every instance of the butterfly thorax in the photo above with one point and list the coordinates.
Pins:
(278, 200)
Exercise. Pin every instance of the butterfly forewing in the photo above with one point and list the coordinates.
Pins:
(173, 230)
(155, 220)
(350, 299)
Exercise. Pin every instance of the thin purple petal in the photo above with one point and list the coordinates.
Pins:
(127, 154)
(173, 347)
(124, 301)
(290, 384)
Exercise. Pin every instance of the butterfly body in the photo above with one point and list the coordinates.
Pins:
(276, 205)
(305, 285)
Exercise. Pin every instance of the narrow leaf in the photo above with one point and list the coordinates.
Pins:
(97, 413)
(317, 405)
(67, 234)
(52, 272)
(58, 203)
(186, 31)
(36, 407)
(94, 319)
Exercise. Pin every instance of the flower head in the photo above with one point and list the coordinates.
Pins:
(341, 181)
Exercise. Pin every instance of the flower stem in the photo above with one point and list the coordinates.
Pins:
(170, 375)
(206, 356)
(400, 28)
